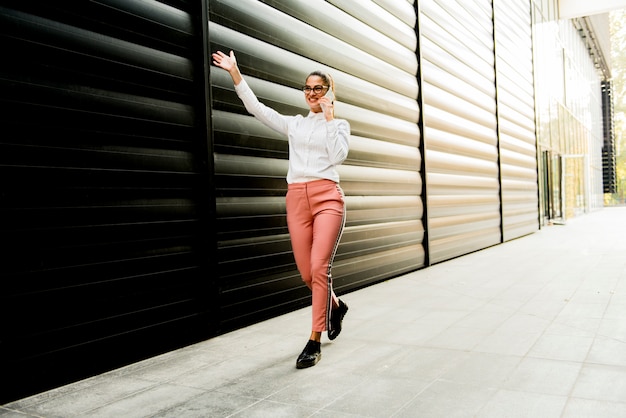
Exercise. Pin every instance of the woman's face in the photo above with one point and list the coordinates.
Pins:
(311, 96)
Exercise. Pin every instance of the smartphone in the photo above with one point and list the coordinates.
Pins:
(329, 94)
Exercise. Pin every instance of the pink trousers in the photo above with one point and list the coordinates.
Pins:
(315, 218)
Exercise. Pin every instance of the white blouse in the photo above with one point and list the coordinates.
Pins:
(316, 146)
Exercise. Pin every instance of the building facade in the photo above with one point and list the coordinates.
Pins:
(143, 208)
(572, 61)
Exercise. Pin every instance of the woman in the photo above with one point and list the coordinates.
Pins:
(315, 201)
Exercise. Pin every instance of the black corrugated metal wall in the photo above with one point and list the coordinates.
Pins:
(142, 208)
(370, 49)
(104, 198)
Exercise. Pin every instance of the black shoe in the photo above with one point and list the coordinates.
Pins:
(310, 355)
(336, 318)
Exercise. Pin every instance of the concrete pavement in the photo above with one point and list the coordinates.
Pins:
(535, 327)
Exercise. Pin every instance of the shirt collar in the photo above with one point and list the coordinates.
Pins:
(313, 115)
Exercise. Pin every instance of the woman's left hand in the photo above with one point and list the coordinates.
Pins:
(227, 62)
(327, 107)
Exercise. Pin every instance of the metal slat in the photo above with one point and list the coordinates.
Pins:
(259, 21)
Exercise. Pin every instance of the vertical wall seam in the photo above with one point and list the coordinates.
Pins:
(498, 145)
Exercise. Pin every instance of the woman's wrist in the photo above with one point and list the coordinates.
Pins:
(235, 75)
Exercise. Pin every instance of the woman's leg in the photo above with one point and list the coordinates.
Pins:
(327, 229)
(316, 217)
(329, 219)
(300, 225)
